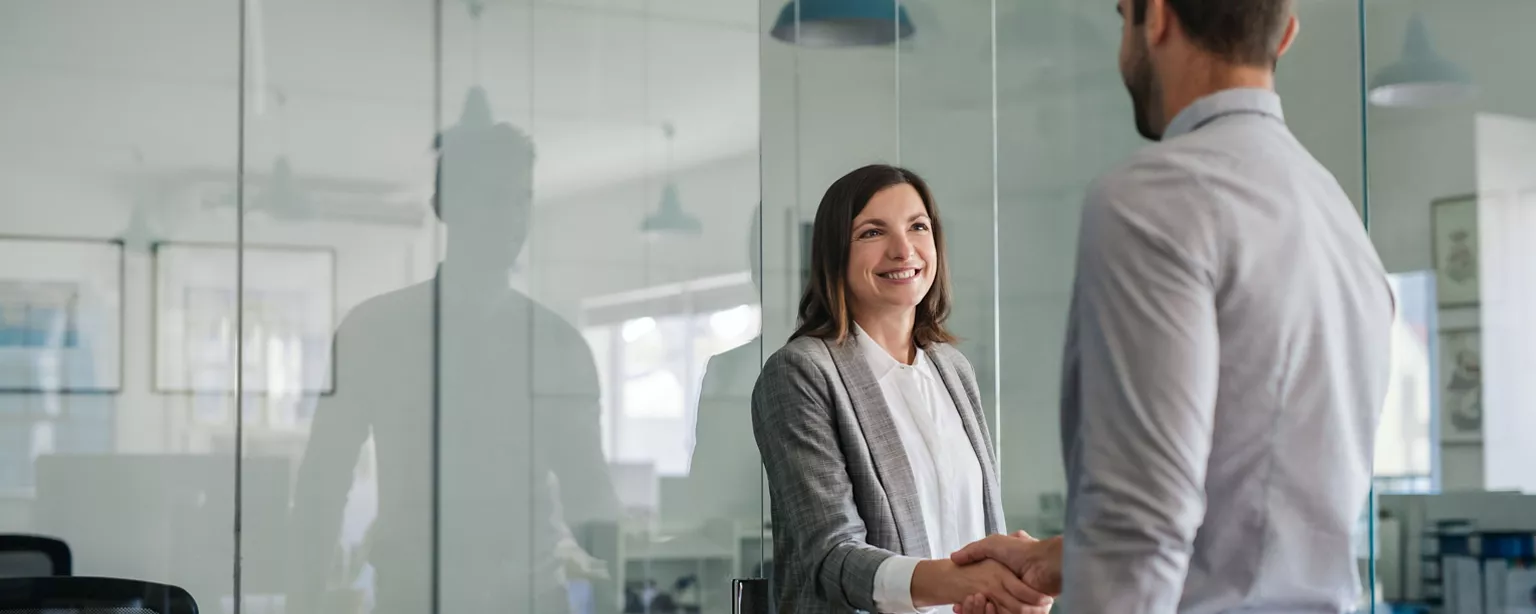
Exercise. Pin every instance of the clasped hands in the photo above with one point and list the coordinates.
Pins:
(1000, 574)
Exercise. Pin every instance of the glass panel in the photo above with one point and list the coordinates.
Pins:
(946, 134)
(830, 106)
(119, 149)
(1063, 119)
(1451, 144)
(826, 110)
(532, 325)
(339, 251)
(593, 454)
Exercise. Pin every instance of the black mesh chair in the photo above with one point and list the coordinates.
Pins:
(83, 595)
(31, 556)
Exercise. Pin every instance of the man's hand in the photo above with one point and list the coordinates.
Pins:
(942, 582)
(976, 604)
(1037, 563)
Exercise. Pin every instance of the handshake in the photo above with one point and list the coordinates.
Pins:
(1002, 573)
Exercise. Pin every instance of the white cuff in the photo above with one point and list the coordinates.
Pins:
(893, 585)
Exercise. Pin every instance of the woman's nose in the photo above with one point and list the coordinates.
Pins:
(900, 248)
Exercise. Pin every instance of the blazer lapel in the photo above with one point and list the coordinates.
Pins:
(890, 457)
(970, 415)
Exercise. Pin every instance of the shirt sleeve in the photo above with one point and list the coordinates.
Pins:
(893, 585)
(1148, 352)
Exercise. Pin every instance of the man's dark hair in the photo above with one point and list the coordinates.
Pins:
(1245, 32)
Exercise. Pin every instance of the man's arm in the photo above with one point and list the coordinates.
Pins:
(1148, 353)
(340, 426)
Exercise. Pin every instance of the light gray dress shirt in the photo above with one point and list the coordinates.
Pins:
(1226, 361)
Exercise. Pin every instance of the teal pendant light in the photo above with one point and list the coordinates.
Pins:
(842, 23)
(1421, 78)
(670, 218)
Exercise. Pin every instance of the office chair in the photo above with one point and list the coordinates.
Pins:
(84, 595)
(30, 556)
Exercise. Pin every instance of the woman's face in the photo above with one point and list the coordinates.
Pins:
(892, 259)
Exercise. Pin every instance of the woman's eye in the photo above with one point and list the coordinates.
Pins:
(869, 233)
(920, 227)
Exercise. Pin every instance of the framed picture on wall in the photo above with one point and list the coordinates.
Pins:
(289, 304)
(61, 315)
(1453, 224)
(1461, 385)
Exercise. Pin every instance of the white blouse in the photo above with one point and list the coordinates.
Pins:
(944, 468)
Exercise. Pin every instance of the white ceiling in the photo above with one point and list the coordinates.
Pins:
(345, 88)
(93, 85)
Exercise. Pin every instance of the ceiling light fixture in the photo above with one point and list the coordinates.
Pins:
(842, 23)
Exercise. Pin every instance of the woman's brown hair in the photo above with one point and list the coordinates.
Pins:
(825, 308)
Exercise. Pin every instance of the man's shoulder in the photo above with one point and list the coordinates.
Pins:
(1184, 158)
(393, 309)
(1162, 177)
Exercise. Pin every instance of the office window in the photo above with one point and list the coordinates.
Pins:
(1405, 455)
(650, 369)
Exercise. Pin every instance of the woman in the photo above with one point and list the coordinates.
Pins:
(869, 423)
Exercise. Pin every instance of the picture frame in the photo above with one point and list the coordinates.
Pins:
(289, 314)
(61, 315)
(1460, 385)
(1456, 250)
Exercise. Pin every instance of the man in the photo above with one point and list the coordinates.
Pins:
(483, 408)
(1227, 351)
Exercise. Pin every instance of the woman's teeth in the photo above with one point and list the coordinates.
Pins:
(906, 274)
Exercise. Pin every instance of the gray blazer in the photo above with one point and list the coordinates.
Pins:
(842, 492)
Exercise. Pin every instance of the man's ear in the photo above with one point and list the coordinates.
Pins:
(1291, 28)
(1159, 20)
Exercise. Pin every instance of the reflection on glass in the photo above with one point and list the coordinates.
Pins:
(100, 160)
(1451, 144)
(622, 363)
(1404, 462)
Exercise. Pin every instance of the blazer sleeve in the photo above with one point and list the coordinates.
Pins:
(809, 483)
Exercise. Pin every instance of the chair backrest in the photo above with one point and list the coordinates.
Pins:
(85, 595)
(30, 556)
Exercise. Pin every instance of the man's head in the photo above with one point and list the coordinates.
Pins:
(1163, 40)
(484, 186)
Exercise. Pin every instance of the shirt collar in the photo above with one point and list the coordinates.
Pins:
(880, 361)
(1225, 102)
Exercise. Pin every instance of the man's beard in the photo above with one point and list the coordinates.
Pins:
(1142, 85)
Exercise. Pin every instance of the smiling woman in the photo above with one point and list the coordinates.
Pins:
(876, 246)
(878, 457)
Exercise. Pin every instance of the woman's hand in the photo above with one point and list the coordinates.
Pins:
(942, 582)
(1036, 562)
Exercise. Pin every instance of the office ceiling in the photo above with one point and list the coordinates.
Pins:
(345, 88)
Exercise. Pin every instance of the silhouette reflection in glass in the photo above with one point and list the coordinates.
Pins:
(724, 483)
(522, 492)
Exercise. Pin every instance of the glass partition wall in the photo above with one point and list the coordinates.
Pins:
(435, 306)
(408, 306)
(1450, 146)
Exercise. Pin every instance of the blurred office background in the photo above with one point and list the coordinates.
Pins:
(422, 306)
